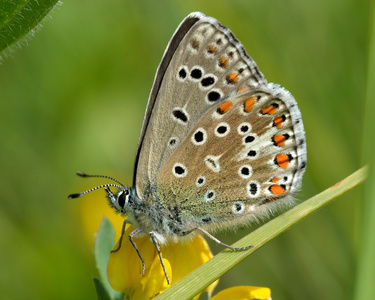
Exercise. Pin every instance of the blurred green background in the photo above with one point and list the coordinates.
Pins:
(74, 99)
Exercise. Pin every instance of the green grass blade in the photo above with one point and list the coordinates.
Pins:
(196, 281)
(19, 18)
(364, 287)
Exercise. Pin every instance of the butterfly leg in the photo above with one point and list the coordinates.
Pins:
(220, 242)
(131, 235)
(122, 235)
(154, 240)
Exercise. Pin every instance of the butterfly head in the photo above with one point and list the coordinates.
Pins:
(122, 201)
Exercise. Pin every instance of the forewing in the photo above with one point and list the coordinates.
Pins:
(202, 64)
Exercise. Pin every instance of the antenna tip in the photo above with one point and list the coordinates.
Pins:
(81, 174)
(73, 196)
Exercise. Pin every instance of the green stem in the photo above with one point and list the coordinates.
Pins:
(364, 287)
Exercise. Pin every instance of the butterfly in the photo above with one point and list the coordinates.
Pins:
(219, 146)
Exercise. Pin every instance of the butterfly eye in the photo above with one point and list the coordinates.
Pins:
(121, 200)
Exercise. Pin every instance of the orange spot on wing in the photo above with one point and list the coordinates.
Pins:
(223, 108)
(277, 189)
(223, 62)
(232, 78)
(279, 140)
(242, 89)
(248, 104)
(212, 49)
(275, 180)
(278, 121)
(282, 160)
(270, 110)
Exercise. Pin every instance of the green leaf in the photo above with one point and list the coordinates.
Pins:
(19, 18)
(101, 290)
(200, 278)
(104, 243)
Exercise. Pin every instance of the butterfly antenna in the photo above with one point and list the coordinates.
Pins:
(102, 176)
(77, 195)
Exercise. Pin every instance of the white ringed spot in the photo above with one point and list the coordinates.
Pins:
(199, 137)
(201, 180)
(196, 73)
(244, 128)
(238, 207)
(208, 81)
(245, 171)
(222, 129)
(180, 115)
(173, 142)
(210, 195)
(253, 189)
(212, 162)
(182, 73)
(179, 170)
(247, 140)
(213, 96)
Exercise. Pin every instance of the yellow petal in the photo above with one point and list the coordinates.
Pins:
(124, 269)
(188, 255)
(244, 293)
(154, 282)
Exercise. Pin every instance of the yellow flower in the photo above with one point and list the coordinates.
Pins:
(124, 268)
(244, 293)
